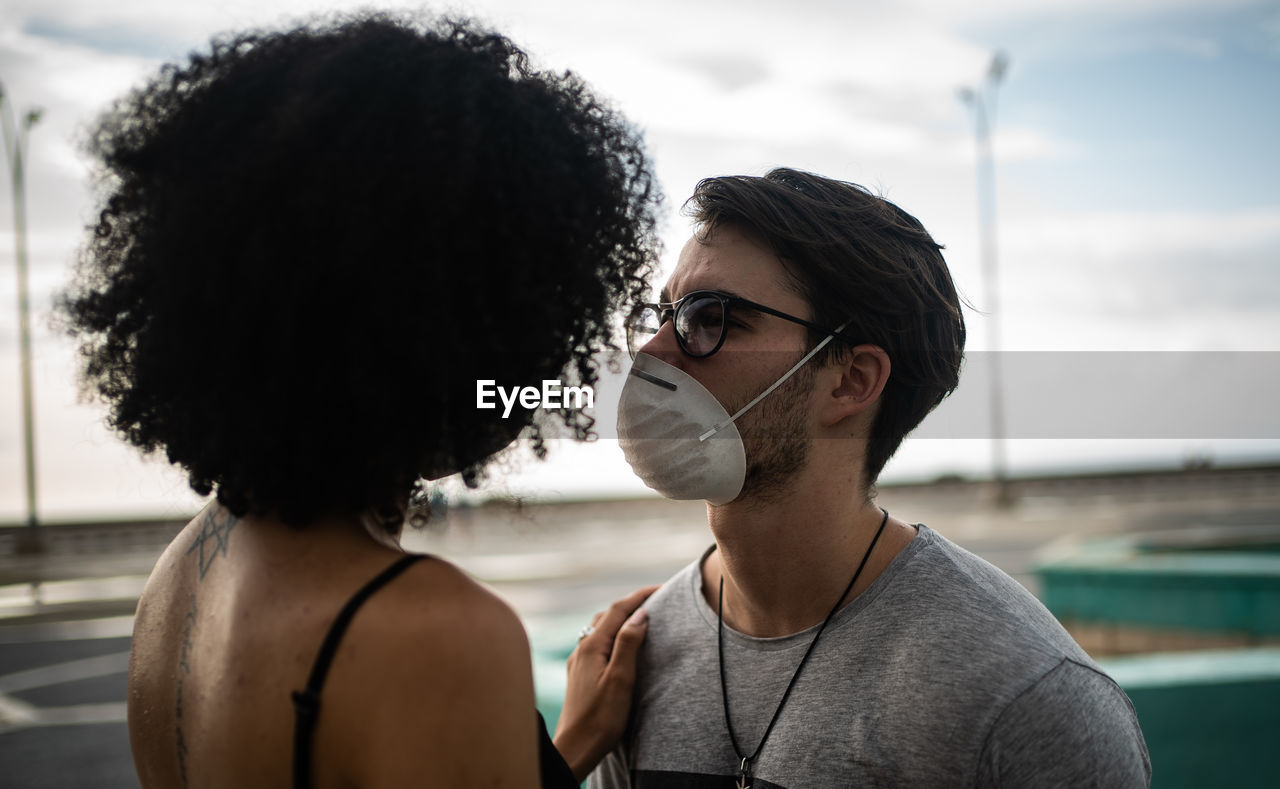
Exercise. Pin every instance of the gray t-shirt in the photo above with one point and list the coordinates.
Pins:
(945, 672)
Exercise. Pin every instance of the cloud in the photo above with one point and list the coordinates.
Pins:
(1270, 29)
(1097, 12)
(857, 90)
(729, 72)
(1153, 280)
(109, 39)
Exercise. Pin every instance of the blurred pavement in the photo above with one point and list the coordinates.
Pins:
(66, 614)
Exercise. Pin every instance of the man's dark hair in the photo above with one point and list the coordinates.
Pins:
(313, 242)
(855, 258)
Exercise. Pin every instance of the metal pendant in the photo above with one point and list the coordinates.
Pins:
(744, 772)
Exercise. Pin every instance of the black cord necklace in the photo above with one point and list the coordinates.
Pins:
(744, 768)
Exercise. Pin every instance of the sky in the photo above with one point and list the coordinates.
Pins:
(1137, 205)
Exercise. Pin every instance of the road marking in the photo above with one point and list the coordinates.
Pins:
(16, 599)
(70, 671)
(75, 630)
(16, 714)
(83, 714)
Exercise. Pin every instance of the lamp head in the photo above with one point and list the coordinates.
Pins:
(999, 65)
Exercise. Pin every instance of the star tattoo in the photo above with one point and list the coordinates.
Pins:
(212, 539)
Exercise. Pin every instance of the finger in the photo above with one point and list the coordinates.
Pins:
(590, 635)
(612, 618)
(622, 663)
(605, 624)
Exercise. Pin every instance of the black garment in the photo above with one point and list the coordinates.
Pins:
(306, 703)
(555, 770)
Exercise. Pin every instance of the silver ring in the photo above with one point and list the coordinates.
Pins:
(586, 631)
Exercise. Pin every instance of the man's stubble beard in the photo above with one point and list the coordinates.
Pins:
(774, 435)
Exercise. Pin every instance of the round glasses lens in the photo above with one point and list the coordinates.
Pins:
(700, 324)
(641, 326)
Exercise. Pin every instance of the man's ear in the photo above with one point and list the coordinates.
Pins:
(861, 375)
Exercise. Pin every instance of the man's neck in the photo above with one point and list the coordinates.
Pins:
(785, 561)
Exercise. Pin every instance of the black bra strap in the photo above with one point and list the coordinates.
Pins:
(306, 703)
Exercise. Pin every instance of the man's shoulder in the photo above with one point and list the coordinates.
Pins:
(958, 599)
(964, 583)
(675, 604)
(677, 595)
(681, 625)
(1067, 728)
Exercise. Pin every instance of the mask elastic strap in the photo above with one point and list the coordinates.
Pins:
(722, 425)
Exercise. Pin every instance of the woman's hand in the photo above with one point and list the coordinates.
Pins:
(602, 673)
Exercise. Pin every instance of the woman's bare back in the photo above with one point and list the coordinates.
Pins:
(422, 688)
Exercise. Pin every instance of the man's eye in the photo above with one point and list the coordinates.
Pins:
(706, 317)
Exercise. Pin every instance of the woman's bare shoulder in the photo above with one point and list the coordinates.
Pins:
(438, 599)
(449, 665)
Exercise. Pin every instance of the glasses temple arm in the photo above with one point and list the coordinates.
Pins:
(801, 321)
(717, 428)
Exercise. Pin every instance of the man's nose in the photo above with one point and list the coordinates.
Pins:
(664, 345)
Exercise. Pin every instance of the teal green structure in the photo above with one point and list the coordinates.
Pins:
(1128, 583)
(1211, 718)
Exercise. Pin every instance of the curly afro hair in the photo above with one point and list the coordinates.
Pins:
(313, 243)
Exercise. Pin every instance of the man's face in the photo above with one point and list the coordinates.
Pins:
(758, 349)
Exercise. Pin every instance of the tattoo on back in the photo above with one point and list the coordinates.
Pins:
(184, 668)
(215, 529)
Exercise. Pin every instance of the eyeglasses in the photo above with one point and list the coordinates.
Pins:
(701, 319)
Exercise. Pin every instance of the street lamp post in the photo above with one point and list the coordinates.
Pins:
(982, 101)
(16, 135)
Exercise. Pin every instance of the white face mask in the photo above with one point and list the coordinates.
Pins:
(678, 438)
